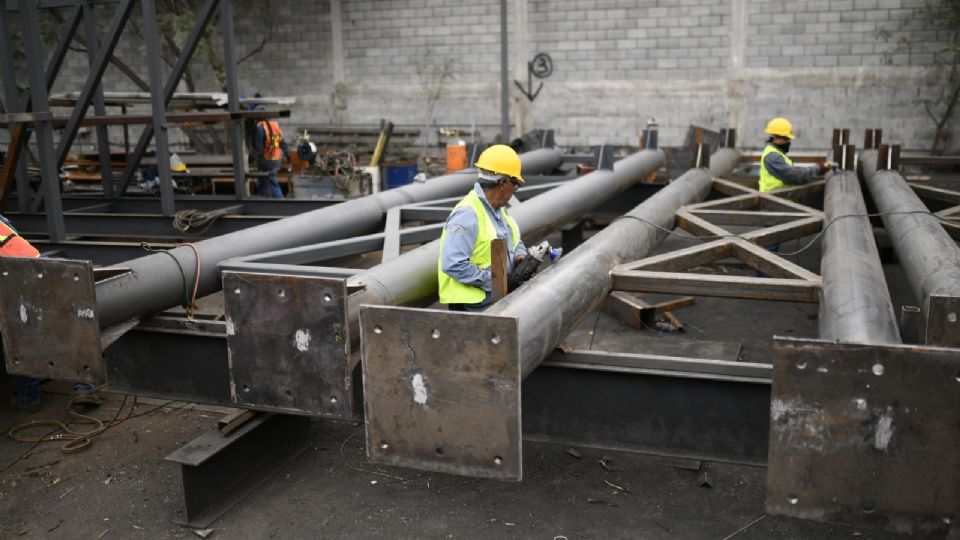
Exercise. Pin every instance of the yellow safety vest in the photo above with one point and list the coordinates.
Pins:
(769, 182)
(451, 290)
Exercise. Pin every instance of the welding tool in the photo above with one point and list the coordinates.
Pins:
(527, 267)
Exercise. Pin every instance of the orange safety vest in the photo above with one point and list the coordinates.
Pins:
(12, 245)
(271, 141)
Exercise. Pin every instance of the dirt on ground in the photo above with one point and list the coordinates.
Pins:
(121, 487)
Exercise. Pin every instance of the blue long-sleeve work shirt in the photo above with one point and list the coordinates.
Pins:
(461, 235)
(795, 176)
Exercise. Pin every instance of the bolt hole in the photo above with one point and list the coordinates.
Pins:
(76, 277)
(281, 293)
(948, 518)
(236, 291)
(952, 317)
(495, 339)
(435, 334)
(246, 389)
(957, 376)
(792, 499)
(497, 460)
(327, 298)
(878, 369)
(50, 364)
(439, 450)
(5, 273)
(801, 365)
(384, 446)
(40, 275)
(377, 329)
(86, 368)
(333, 399)
(867, 507)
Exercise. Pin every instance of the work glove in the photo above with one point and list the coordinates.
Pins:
(828, 166)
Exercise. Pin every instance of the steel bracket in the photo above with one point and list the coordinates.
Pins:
(49, 319)
(442, 391)
(865, 435)
(288, 343)
(943, 321)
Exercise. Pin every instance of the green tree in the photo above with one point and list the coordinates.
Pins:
(939, 19)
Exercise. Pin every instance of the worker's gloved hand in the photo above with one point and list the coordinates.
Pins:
(828, 166)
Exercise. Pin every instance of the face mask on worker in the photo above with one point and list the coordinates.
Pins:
(783, 147)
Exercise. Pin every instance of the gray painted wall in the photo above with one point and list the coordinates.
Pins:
(617, 63)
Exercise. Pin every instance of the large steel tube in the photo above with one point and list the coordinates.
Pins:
(855, 305)
(412, 278)
(930, 258)
(550, 306)
(155, 282)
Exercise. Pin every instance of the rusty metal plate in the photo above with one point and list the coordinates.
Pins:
(288, 343)
(49, 319)
(865, 435)
(943, 322)
(441, 391)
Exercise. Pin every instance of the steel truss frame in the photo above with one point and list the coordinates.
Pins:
(35, 109)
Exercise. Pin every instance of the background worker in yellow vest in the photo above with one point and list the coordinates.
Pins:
(463, 269)
(776, 169)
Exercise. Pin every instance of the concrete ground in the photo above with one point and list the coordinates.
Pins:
(121, 487)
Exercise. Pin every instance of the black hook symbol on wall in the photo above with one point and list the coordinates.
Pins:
(540, 67)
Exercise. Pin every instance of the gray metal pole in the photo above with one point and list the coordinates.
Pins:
(549, 307)
(930, 258)
(151, 36)
(411, 279)
(44, 128)
(233, 97)
(155, 282)
(855, 305)
(504, 81)
(103, 135)
(13, 105)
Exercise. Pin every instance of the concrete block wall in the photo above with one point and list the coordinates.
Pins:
(617, 63)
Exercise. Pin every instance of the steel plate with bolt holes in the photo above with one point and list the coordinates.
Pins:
(865, 435)
(288, 344)
(441, 391)
(943, 322)
(49, 319)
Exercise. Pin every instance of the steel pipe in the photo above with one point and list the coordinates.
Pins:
(551, 305)
(442, 389)
(155, 282)
(930, 258)
(855, 305)
(411, 279)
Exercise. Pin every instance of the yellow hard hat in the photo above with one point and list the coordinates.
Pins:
(500, 159)
(780, 127)
(177, 164)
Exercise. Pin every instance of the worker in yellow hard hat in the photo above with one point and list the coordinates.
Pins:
(463, 268)
(776, 169)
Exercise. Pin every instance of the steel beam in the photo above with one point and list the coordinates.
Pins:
(12, 100)
(295, 338)
(173, 80)
(233, 97)
(103, 135)
(159, 281)
(97, 67)
(855, 305)
(49, 175)
(442, 389)
(930, 258)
